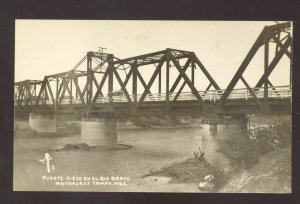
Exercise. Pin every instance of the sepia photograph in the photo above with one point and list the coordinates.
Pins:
(172, 106)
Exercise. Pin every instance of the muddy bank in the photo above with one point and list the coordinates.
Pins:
(271, 175)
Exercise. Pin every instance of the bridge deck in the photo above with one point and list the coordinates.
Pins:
(279, 92)
(240, 102)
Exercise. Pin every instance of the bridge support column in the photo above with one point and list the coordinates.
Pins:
(42, 122)
(215, 132)
(213, 129)
(99, 132)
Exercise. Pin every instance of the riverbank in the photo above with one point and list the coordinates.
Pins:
(272, 174)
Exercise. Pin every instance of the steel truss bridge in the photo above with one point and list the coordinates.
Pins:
(128, 91)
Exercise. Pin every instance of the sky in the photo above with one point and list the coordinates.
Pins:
(44, 47)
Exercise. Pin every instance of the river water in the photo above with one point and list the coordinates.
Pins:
(152, 150)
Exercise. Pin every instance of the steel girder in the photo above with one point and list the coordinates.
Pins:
(270, 34)
(55, 87)
(158, 59)
(25, 92)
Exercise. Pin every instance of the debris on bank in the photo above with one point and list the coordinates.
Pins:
(84, 146)
(207, 183)
(194, 170)
(80, 146)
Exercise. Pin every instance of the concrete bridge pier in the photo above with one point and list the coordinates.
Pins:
(99, 132)
(43, 122)
(216, 131)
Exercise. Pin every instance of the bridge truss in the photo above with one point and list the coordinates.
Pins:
(278, 34)
(84, 89)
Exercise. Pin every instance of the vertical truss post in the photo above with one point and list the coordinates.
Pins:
(76, 94)
(57, 94)
(193, 72)
(27, 94)
(110, 77)
(167, 80)
(159, 81)
(34, 91)
(89, 81)
(71, 90)
(44, 94)
(26, 97)
(23, 95)
(266, 62)
(134, 81)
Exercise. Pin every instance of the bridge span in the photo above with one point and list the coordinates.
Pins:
(278, 98)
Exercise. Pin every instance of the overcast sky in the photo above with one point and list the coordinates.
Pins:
(45, 47)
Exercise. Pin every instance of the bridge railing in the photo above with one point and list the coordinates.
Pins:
(279, 92)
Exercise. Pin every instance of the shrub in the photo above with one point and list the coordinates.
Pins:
(244, 151)
(271, 138)
(241, 151)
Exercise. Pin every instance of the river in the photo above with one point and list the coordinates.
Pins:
(152, 150)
